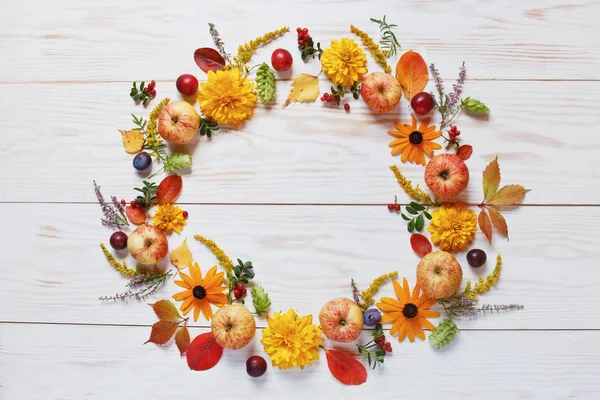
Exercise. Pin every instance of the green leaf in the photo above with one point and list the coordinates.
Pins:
(411, 225)
(427, 215)
(420, 223)
(411, 210)
(404, 217)
(142, 86)
(417, 206)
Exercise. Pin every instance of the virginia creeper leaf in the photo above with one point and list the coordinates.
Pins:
(420, 244)
(485, 224)
(498, 221)
(181, 257)
(168, 189)
(162, 332)
(491, 179)
(166, 311)
(305, 89)
(412, 73)
(508, 195)
(203, 353)
(137, 215)
(182, 339)
(209, 59)
(346, 368)
(464, 151)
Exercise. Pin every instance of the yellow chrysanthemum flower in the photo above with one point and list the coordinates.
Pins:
(291, 340)
(227, 97)
(169, 218)
(453, 227)
(344, 62)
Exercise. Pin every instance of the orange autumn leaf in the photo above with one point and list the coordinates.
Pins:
(508, 195)
(162, 332)
(345, 368)
(491, 179)
(420, 244)
(182, 339)
(412, 73)
(165, 310)
(485, 224)
(168, 189)
(498, 221)
(136, 215)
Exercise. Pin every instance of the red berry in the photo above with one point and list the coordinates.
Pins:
(151, 85)
(123, 202)
(305, 31)
(153, 92)
(133, 203)
(298, 29)
(390, 207)
(244, 291)
(237, 293)
(422, 103)
(306, 37)
(185, 214)
(397, 207)
(146, 89)
(300, 42)
(281, 60)
(347, 107)
(239, 286)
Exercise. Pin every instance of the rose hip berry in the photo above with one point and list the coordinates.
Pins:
(347, 107)
(185, 214)
(256, 366)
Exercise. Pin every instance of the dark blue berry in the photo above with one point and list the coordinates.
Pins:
(142, 161)
(372, 317)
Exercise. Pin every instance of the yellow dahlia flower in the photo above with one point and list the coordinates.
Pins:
(169, 218)
(227, 97)
(344, 62)
(453, 227)
(291, 340)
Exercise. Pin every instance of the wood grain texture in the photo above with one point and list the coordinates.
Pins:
(306, 153)
(126, 41)
(72, 363)
(303, 256)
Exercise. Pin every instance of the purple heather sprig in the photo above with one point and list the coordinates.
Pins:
(114, 214)
(466, 307)
(355, 292)
(448, 104)
(218, 42)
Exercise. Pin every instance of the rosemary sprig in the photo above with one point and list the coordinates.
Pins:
(388, 41)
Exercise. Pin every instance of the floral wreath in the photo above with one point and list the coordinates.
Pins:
(229, 97)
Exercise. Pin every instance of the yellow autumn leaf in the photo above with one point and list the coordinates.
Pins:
(491, 179)
(508, 195)
(181, 257)
(133, 140)
(305, 89)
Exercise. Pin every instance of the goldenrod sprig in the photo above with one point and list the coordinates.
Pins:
(367, 294)
(246, 50)
(415, 192)
(224, 261)
(482, 285)
(120, 267)
(379, 55)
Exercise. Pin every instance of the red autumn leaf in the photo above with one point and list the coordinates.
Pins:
(498, 221)
(166, 311)
(420, 244)
(162, 332)
(485, 224)
(345, 368)
(209, 59)
(465, 151)
(203, 353)
(136, 215)
(168, 189)
(182, 339)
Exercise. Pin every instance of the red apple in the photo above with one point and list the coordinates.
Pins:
(178, 122)
(148, 244)
(439, 274)
(380, 91)
(341, 320)
(233, 326)
(446, 175)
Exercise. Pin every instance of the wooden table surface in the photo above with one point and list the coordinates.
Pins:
(299, 191)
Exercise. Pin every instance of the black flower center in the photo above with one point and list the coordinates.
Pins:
(415, 137)
(199, 292)
(410, 310)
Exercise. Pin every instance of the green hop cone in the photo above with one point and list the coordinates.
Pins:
(265, 83)
(260, 299)
(177, 162)
(443, 334)
(475, 106)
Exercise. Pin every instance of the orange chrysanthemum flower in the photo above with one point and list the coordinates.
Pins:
(201, 292)
(410, 313)
(413, 142)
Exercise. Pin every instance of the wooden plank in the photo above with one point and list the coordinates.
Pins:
(67, 362)
(126, 41)
(303, 255)
(306, 153)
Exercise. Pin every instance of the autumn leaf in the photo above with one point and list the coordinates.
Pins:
(203, 353)
(464, 151)
(485, 224)
(305, 89)
(491, 179)
(181, 257)
(136, 215)
(420, 244)
(166, 311)
(209, 59)
(412, 73)
(182, 339)
(168, 189)
(508, 195)
(345, 368)
(162, 332)
(133, 140)
(498, 221)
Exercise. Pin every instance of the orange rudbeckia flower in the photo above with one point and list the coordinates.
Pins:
(414, 143)
(201, 292)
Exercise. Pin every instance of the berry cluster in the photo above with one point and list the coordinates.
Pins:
(385, 346)
(395, 206)
(303, 35)
(330, 98)
(306, 44)
(453, 133)
(150, 88)
(239, 291)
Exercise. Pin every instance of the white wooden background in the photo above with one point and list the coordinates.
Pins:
(300, 191)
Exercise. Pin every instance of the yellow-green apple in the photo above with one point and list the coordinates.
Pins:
(380, 91)
(446, 175)
(233, 326)
(178, 122)
(148, 244)
(439, 274)
(341, 320)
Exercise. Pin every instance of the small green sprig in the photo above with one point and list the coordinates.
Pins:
(243, 273)
(373, 352)
(308, 50)
(418, 214)
(337, 93)
(140, 94)
(389, 42)
(158, 148)
(148, 196)
(207, 127)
